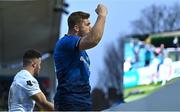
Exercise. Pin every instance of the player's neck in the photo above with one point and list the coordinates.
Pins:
(70, 33)
(29, 69)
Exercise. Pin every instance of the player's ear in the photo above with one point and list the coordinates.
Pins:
(33, 64)
(76, 28)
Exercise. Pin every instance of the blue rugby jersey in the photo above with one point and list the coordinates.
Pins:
(72, 69)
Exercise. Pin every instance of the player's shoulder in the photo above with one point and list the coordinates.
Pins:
(23, 74)
(24, 78)
(67, 38)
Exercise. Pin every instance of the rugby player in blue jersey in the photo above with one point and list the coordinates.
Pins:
(72, 62)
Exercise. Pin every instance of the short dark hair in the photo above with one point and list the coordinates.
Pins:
(29, 55)
(76, 18)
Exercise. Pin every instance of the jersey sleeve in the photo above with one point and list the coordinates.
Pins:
(31, 87)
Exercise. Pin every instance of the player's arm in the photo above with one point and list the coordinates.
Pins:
(42, 102)
(95, 35)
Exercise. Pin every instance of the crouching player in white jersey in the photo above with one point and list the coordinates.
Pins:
(24, 90)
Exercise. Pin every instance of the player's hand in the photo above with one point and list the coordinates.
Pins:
(101, 10)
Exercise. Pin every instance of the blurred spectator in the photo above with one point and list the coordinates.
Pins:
(147, 57)
(165, 70)
(99, 100)
(176, 43)
(154, 67)
(136, 50)
(161, 53)
(114, 98)
(127, 64)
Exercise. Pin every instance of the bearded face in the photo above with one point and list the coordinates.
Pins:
(37, 66)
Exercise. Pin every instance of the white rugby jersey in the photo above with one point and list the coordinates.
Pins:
(22, 88)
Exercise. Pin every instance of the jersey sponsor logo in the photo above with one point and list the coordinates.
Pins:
(29, 83)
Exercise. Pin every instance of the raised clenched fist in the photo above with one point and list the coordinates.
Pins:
(101, 10)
